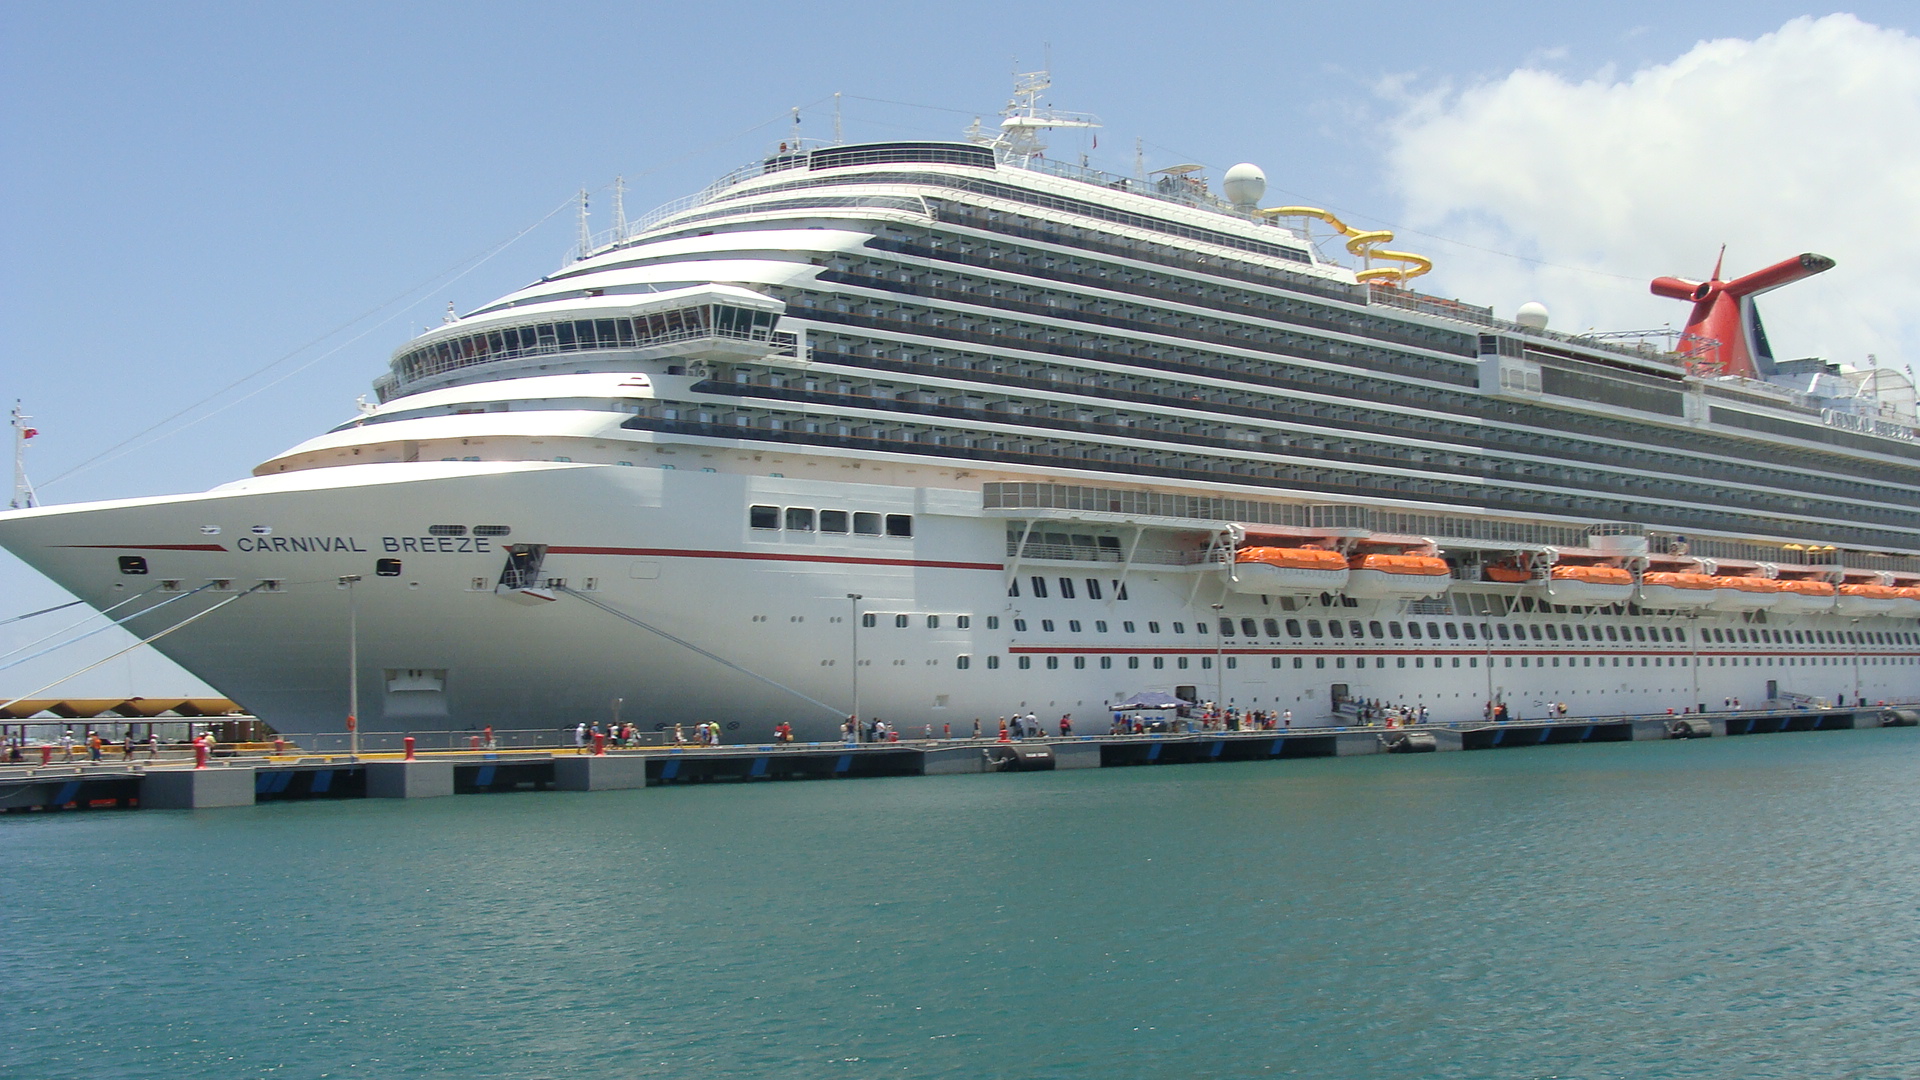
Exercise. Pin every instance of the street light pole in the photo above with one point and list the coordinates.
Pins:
(1219, 669)
(353, 665)
(853, 603)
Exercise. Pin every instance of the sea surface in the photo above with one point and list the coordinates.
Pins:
(1737, 907)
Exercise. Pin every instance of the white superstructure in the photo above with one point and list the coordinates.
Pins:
(1019, 435)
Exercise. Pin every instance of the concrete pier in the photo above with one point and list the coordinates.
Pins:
(422, 779)
(196, 789)
(244, 781)
(607, 772)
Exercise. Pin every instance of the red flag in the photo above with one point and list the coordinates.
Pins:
(31, 432)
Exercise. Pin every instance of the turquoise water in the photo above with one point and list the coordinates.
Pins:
(1718, 908)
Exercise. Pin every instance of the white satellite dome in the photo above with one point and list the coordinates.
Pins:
(1244, 184)
(1532, 315)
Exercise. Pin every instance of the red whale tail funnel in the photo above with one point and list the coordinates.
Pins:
(1724, 335)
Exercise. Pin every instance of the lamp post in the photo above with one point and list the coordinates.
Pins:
(353, 665)
(1219, 669)
(853, 603)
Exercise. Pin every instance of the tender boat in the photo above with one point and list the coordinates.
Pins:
(1861, 599)
(1666, 589)
(1405, 577)
(1740, 592)
(1589, 585)
(1287, 571)
(1800, 597)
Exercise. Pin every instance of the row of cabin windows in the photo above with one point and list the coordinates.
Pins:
(902, 621)
(965, 662)
(807, 519)
(1038, 585)
(1811, 637)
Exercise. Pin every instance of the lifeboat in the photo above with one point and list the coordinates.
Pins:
(1508, 574)
(1907, 606)
(1662, 589)
(1804, 597)
(1737, 592)
(1590, 585)
(1397, 577)
(1280, 571)
(1857, 600)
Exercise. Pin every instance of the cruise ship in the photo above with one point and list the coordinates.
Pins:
(937, 431)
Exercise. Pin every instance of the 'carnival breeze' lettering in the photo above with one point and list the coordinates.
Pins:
(291, 544)
(424, 545)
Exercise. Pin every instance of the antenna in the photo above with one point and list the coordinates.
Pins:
(586, 235)
(619, 208)
(837, 140)
(23, 496)
(796, 127)
(1139, 159)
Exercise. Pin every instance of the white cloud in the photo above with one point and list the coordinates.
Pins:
(1805, 139)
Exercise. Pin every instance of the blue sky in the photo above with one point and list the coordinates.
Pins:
(191, 192)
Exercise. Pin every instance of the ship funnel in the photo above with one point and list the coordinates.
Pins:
(1724, 335)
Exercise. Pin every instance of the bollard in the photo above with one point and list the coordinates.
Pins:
(473, 743)
(46, 755)
(599, 744)
(279, 745)
(408, 743)
(199, 753)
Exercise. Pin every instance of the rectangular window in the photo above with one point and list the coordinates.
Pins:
(1299, 662)
(963, 662)
(1159, 662)
(1020, 626)
(1046, 626)
(1039, 586)
(1226, 627)
(933, 622)
(900, 620)
(1272, 627)
(1153, 627)
(1133, 662)
(866, 524)
(1206, 662)
(1233, 661)
(1179, 628)
(963, 621)
(763, 517)
(1106, 662)
(868, 619)
(799, 519)
(1180, 661)
(1066, 588)
(1025, 663)
(900, 525)
(1053, 663)
(1119, 590)
(993, 662)
(1093, 588)
(833, 521)
(1079, 663)
(1127, 626)
(1073, 625)
(1099, 626)
(1293, 627)
(993, 622)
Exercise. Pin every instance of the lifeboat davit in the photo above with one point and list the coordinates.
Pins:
(1737, 592)
(1662, 589)
(1805, 597)
(1857, 600)
(1397, 577)
(1280, 571)
(1590, 585)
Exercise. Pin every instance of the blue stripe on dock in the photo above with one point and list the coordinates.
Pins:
(484, 777)
(671, 769)
(263, 782)
(1217, 747)
(322, 780)
(759, 767)
(845, 763)
(1587, 734)
(1153, 752)
(1544, 733)
(68, 792)
(1500, 737)
(1275, 749)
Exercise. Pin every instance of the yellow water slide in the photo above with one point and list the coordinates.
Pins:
(1364, 245)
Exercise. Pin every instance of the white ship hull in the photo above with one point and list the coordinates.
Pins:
(672, 549)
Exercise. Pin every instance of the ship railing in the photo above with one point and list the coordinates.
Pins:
(384, 742)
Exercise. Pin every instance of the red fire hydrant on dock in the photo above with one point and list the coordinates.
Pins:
(408, 743)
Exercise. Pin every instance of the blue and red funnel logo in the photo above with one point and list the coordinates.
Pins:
(1723, 334)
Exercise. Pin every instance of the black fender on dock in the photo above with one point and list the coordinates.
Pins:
(1019, 757)
(1900, 718)
(1412, 742)
(1690, 729)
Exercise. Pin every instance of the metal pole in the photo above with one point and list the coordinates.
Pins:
(1219, 669)
(353, 665)
(854, 604)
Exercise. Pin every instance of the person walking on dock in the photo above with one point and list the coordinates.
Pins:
(976, 727)
(1066, 725)
(580, 737)
(153, 744)
(66, 744)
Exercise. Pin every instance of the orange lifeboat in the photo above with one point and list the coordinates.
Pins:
(1663, 589)
(1508, 574)
(1590, 585)
(1801, 597)
(1398, 577)
(1285, 571)
(1908, 604)
(1866, 600)
(1738, 592)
